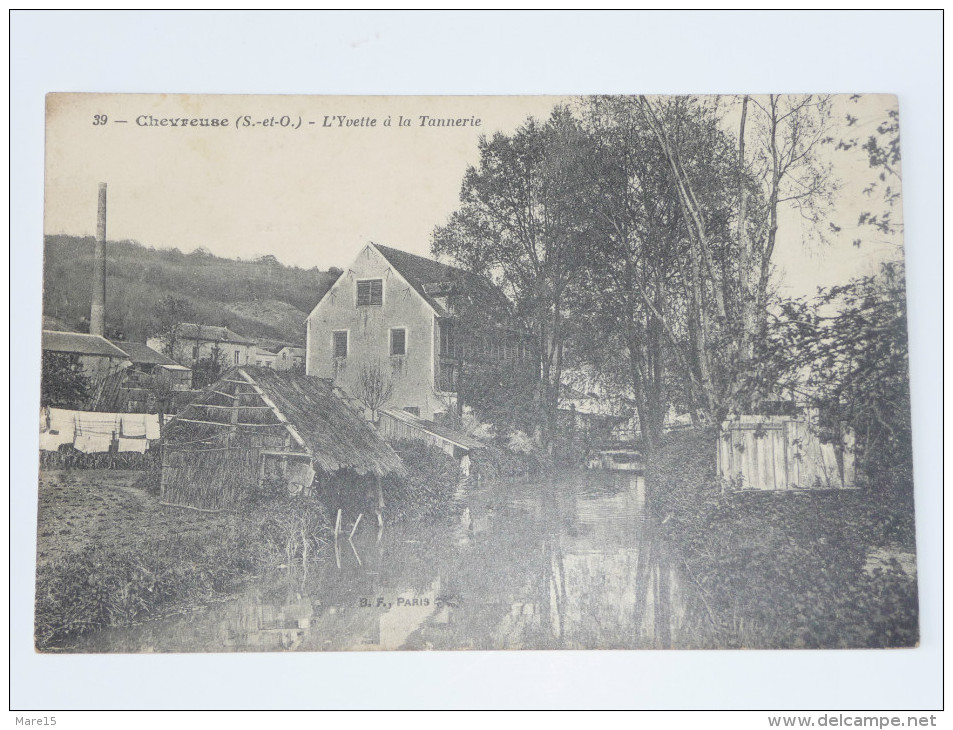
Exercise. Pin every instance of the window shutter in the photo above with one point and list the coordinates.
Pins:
(398, 342)
(340, 344)
(370, 292)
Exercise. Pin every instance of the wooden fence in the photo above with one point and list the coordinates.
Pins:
(782, 453)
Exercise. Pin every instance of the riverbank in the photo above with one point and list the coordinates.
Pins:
(787, 569)
(108, 554)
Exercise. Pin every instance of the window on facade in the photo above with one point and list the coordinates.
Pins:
(236, 357)
(195, 352)
(370, 292)
(398, 341)
(447, 340)
(340, 344)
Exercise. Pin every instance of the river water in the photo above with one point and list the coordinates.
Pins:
(553, 563)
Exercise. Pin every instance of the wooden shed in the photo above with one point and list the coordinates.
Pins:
(257, 429)
(783, 453)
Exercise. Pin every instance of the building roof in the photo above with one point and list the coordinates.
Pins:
(336, 436)
(421, 273)
(446, 434)
(432, 279)
(210, 333)
(81, 344)
(276, 349)
(142, 354)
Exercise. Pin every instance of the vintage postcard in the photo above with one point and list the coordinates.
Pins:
(381, 373)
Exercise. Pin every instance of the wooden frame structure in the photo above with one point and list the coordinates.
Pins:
(257, 428)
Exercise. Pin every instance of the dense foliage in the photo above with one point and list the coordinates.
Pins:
(520, 224)
(635, 237)
(429, 487)
(63, 383)
(786, 570)
(109, 585)
(845, 352)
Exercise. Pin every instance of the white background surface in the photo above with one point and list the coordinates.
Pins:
(481, 53)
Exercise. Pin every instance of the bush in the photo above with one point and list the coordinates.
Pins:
(430, 485)
(291, 530)
(151, 480)
(499, 462)
(100, 587)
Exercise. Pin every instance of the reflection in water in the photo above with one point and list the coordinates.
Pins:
(568, 562)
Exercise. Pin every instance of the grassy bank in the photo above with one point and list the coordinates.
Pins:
(109, 555)
(784, 569)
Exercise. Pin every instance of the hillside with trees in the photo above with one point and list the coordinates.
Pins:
(260, 299)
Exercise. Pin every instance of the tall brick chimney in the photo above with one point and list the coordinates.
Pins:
(97, 312)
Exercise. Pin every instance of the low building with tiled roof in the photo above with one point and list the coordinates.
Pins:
(97, 356)
(290, 357)
(189, 343)
(149, 362)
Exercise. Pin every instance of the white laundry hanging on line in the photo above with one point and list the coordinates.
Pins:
(93, 443)
(152, 425)
(139, 446)
(95, 431)
(57, 429)
(91, 423)
(133, 425)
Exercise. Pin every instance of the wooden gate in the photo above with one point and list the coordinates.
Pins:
(782, 453)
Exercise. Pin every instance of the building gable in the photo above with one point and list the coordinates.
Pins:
(346, 281)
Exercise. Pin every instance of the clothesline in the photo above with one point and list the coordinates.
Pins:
(94, 432)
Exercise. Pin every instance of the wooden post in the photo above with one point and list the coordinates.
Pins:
(360, 564)
(337, 547)
(380, 508)
(356, 523)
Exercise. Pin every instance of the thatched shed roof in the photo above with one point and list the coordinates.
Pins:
(321, 424)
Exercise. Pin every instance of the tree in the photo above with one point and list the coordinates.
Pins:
(168, 313)
(880, 139)
(375, 388)
(209, 369)
(520, 226)
(630, 301)
(727, 270)
(845, 352)
(161, 393)
(63, 383)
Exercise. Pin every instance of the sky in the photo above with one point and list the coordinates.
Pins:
(312, 179)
